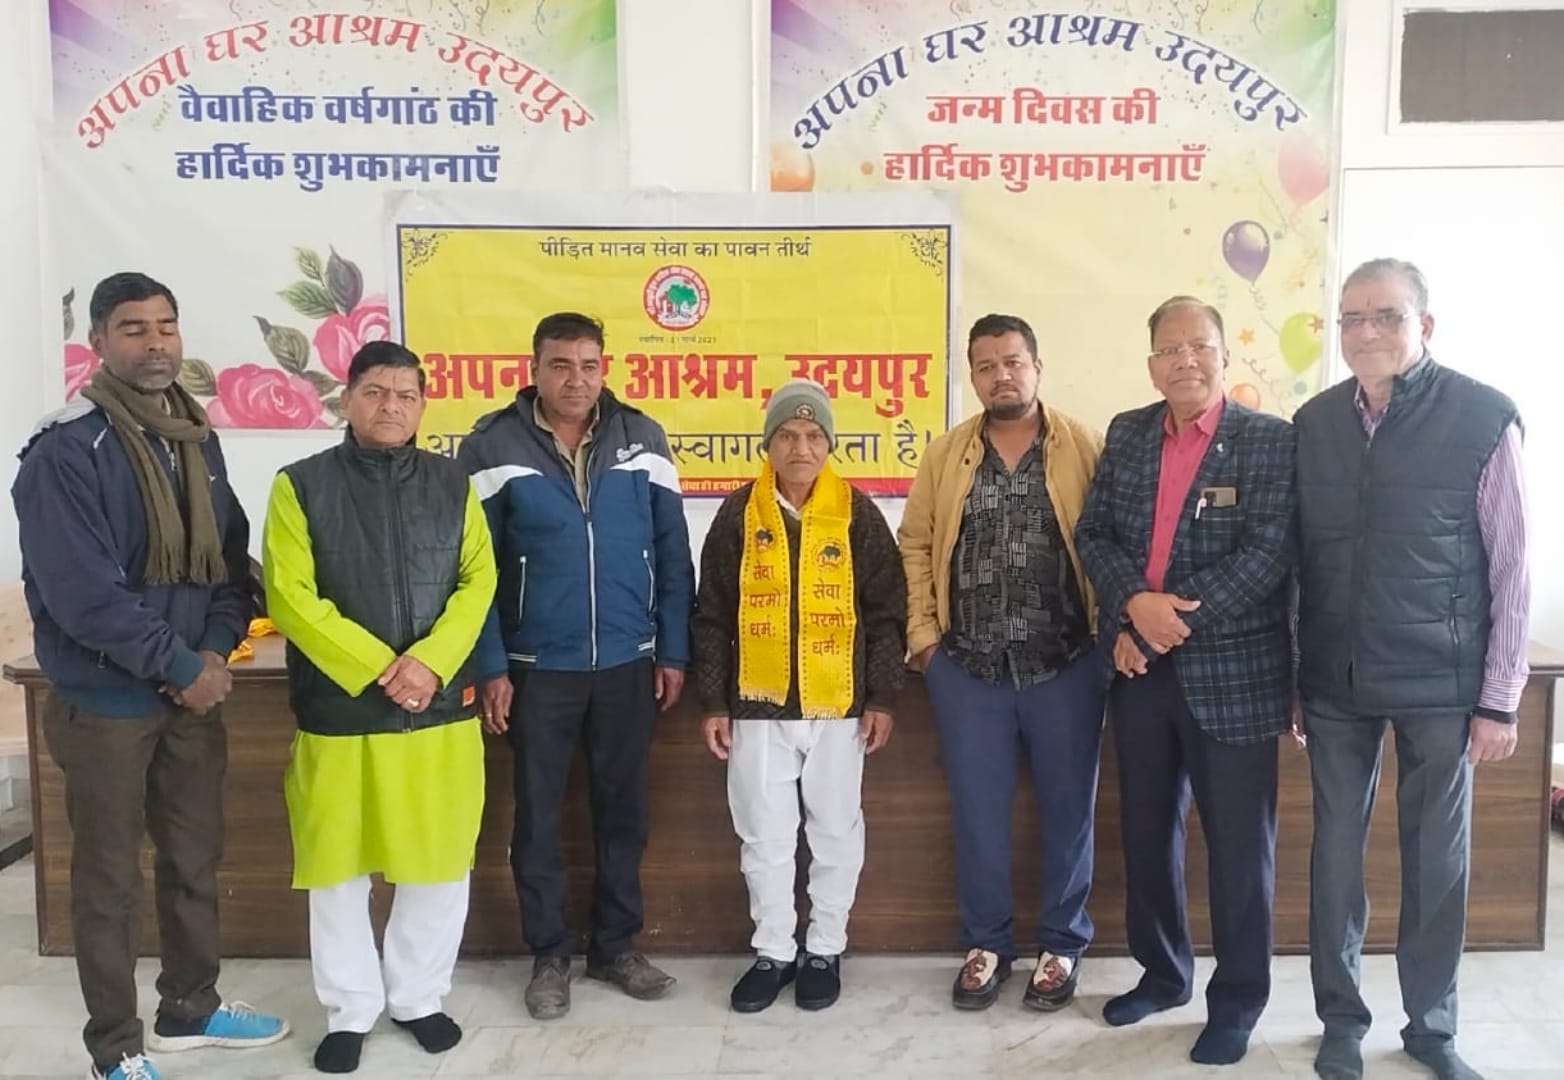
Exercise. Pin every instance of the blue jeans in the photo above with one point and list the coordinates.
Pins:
(982, 730)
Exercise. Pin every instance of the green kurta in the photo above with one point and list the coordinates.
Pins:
(405, 805)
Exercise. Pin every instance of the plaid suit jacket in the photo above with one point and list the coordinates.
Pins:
(1235, 668)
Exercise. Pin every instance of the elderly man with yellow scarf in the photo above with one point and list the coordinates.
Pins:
(799, 652)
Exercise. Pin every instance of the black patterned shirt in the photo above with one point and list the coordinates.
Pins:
(1017, 612)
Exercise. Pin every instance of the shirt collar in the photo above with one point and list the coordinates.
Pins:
(782, 500)
(1409, 377)
(542, 422)
(1206, 423)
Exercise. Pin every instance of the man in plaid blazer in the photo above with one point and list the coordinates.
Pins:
(1186, 536)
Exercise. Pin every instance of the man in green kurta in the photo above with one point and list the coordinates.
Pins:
(379, 573)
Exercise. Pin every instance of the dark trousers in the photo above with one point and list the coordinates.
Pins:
(1162, 754)
(1434, 817)
(610, 714)
(983, 729)
(162, 774)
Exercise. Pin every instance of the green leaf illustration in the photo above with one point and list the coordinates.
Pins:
(198, 377)
(289, 346)
(309, 300)
(345, 282)
(324, 384)
(309, 263)
(70, 316)
(335, 407)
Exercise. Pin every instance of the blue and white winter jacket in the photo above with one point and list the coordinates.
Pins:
(583, 589)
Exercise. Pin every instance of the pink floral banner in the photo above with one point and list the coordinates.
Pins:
(242, 152)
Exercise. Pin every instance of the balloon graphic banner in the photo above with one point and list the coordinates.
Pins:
(240, 151)
(1107, 156)
(708, 303)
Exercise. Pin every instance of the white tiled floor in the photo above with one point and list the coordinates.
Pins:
(894, 1020)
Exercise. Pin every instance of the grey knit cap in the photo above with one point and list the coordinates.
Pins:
(799, 399)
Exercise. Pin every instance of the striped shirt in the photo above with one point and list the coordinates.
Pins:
(1501, 518)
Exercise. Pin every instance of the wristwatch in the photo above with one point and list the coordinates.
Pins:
(1495, 714)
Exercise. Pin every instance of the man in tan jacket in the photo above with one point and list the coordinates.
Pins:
(1001, 623)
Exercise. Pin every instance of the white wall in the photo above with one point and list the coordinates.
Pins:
(1481, 210)
(21, 304)
(1490, 239)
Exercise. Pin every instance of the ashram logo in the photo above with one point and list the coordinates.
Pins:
(676, 297)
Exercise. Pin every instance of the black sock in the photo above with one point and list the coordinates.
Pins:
(339, 1052)
(1340, 1057)
(1135, 1006)
(1445, 1062)
(170, 1028)
(1220, 1046)
(436, 1032)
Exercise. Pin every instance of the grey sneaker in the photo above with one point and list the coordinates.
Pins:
(548, 994)
(631, 972)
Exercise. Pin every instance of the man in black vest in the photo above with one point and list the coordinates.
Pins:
(380, 573)
(1412, 609)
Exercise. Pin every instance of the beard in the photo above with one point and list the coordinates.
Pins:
(1010, 410)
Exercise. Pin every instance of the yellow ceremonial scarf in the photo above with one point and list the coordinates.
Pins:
(827, 622)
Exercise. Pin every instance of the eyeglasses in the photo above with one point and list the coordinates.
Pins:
(1200, 350)
(1382, 320)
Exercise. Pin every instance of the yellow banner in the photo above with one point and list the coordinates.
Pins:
(701, 324)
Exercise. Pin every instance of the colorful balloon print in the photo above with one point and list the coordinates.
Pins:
(1247, 248)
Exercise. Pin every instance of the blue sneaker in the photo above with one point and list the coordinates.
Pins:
(236, 1026)
(129, 1068)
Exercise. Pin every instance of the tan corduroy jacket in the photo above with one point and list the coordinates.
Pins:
(931, 519)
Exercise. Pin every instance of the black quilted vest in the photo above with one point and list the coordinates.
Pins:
(385, 530)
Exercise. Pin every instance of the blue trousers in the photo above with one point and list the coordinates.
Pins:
(983, 730)
(1163, 754)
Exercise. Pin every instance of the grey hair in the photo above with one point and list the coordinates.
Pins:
(1375, 269)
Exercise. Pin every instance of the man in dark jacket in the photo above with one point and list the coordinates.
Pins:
(1413, 603)
(135, 563)
(596, 585)
(800, 650)
(1187, 536)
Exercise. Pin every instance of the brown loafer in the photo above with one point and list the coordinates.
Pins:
(1053, 982)
(632, 973)
(977, 984)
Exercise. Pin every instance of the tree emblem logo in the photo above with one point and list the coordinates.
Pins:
(676, 297)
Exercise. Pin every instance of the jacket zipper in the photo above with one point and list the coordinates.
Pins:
(651, 584)
(521, 593)
(586, 512)
(400, 601)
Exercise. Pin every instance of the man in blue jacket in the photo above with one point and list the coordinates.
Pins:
(135, 566)
(596, 587)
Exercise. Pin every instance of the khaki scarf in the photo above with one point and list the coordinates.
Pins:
(170, 559)
(827, 621)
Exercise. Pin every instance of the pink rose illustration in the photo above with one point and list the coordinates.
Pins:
(250, 396)
(340, 336)
(80, 363)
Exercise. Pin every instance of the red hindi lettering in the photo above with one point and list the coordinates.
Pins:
(444, 376)
(316, 30)
(516, 371)
(738, 373)
(1139, 105)
(224, 44)
(944, 110)
(653, 377)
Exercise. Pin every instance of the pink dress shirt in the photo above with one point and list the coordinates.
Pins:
(1182, 452)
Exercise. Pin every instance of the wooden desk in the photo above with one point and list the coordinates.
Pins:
(695, 897)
